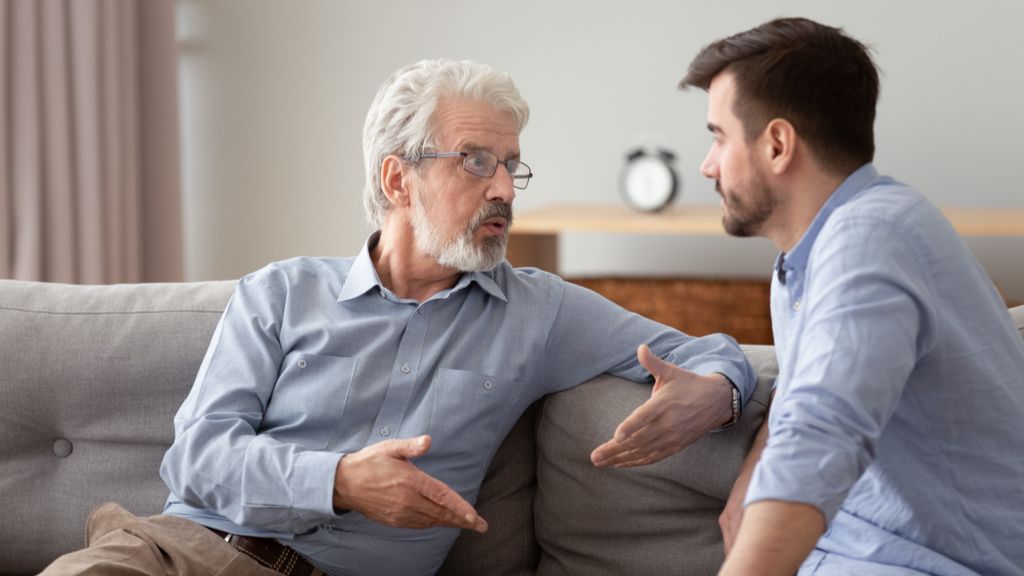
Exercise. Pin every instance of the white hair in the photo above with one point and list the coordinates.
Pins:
(399, 120)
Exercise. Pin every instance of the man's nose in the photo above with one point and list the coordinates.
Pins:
(501, 189)
(709, 167)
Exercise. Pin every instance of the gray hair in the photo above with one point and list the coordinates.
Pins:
(399, 120)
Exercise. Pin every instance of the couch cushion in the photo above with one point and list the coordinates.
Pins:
(92, 377)
(509, 547)
(665, 515)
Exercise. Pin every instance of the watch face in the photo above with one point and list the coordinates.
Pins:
(648, 183)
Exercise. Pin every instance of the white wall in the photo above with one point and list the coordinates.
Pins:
(275, 93)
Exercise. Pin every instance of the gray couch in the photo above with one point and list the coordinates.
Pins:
(91, 376)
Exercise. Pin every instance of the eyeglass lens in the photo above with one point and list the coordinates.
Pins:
(484, 164)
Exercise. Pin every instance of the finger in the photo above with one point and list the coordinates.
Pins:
(609, 453)
(604, 454)
(442, 516)
(726, 539)
(656, 366)
(449, 507)
(407, 448)
(641, 456)
(613, 453)
(627, 435)
(410, 518)
(730, 522)
(728, 531)
(640, 419)
(644, 458)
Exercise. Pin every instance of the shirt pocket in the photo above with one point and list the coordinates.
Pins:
(470, 414)
(309, 399)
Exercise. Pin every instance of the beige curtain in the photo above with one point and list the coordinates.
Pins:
(89, 160)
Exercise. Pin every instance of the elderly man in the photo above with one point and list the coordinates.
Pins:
(347, 409)
(893, 444)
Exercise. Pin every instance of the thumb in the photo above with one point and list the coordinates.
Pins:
(409, 448)
(656, 366)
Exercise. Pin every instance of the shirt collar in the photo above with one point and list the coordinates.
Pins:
(362, 277)
(796, 259)
(485, 280)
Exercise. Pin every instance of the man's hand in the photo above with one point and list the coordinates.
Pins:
(682, 408)
(380, 483)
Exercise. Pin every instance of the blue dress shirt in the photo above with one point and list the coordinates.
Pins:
(314, 359)
(899, 410)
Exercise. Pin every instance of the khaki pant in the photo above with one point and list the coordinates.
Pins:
(120, 543)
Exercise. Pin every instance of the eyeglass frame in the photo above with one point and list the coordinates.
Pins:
(516, 178)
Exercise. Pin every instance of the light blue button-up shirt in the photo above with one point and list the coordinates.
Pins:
(899, 410)
(314, 358)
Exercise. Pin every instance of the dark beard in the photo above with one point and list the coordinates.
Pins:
(745, 220)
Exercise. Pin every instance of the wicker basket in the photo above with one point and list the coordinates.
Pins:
(739, 308)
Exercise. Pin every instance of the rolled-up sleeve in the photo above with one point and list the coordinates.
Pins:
(865, 322)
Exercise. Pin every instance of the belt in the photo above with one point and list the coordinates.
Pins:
(271, 554)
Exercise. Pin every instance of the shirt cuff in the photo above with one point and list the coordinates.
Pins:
(313, 485)
(766, 484)
(735, 376)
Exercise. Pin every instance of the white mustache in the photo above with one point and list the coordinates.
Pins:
(493, 210)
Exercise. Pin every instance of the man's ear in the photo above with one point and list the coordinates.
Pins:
(779, 145)
(394, 175)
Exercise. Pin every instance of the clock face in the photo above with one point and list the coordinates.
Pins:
(648, 183)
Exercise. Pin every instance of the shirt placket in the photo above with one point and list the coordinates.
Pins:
(404, 375)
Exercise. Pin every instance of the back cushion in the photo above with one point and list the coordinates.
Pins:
(656, 519)
(91, 378)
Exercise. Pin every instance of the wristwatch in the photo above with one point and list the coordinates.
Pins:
(735, 406)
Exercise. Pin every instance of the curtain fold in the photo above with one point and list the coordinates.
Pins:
(89, 160)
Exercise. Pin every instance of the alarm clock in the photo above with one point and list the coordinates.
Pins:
(649, 181)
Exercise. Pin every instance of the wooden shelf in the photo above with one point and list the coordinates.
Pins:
(535, 233)
(614, 218)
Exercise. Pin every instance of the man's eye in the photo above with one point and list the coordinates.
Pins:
(477, 160)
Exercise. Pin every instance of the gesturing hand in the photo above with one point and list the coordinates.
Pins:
(682, 408)
(380, 483)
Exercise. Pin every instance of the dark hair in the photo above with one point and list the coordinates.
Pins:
(815, 76)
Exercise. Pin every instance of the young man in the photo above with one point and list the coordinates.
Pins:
(893, 443)
(347, 409)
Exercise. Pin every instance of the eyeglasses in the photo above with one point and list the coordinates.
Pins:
(484, 164)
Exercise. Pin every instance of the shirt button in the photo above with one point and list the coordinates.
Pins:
(488, 384)
(405, 369)
(302, 363)
(796, 305)
(385, 432)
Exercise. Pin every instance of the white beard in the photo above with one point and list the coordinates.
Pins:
(459, 252)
